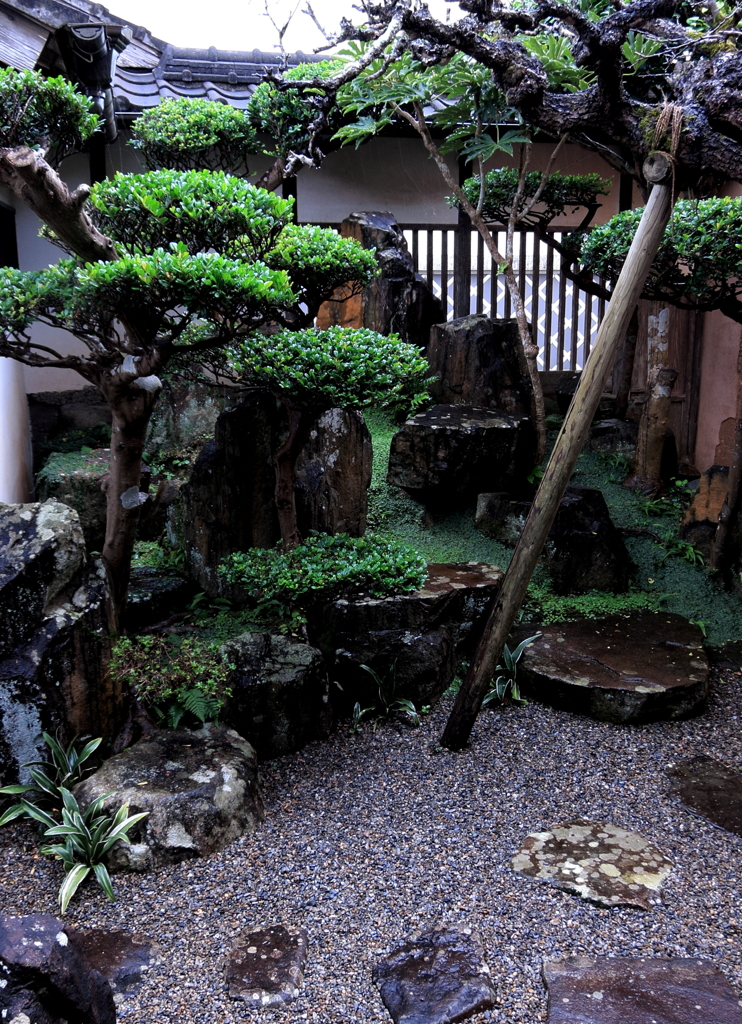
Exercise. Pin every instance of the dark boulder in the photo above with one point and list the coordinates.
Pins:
(228, 502)
(45, 978)
(200, 790)
(584, 550)
(280, 693)
(639, 668)
(708, 787)
(479, 361)
(54, 641)
(702, 516)
(155, 595)
(447, 455)
(398, 301)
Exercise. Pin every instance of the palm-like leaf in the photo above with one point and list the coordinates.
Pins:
(72, 881)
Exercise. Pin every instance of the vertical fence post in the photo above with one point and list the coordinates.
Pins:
(462, 257)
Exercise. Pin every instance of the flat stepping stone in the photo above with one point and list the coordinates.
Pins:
(266, 967)
(436, 977)
(121, 957)
(641, 668)
(711, 789)
(598, 861)
(639, 990)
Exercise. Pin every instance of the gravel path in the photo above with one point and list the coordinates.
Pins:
(368, 837)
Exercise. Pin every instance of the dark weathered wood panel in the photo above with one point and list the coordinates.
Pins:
(21, 41)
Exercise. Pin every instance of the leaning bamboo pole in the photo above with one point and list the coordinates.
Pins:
(658, 171)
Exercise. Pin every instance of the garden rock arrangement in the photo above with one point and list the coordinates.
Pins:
(436, 977)
(638, 668)
(398, 300)
(446, 455)
(45, 980)
(266, 967)
(122, 958)
(53, 640)
(708, 787)
(200, 791)
(228, 502)
(280, 693)
(425, 631)
(596, 860)
(619, 990)
(584, 550)
(479, 361)
(81, 485)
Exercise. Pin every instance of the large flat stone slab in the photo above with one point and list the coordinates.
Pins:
(266, 966)
(447, 455)
(596, 860)
(639, 668)
(638, 990)
(708, 787)
(121, 957)
(436, 977)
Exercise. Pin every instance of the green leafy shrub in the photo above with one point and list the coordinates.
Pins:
(336, 368)
(175, 676)
(508, 674)
(561, 193)
(32, 108)
(63, 770)
(340, 259)
(284, 116)
(185, 133)
(326, 567)
(542, 605)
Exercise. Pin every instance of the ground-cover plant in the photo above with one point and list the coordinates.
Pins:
(325, 567)
(507, 678)
(389, 704)
(175, 676)
(65, 767)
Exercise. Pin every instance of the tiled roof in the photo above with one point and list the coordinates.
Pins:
(230, 76)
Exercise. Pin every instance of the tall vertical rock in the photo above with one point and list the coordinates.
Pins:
(396, 302)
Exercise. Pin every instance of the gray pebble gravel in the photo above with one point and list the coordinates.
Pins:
(370, 837)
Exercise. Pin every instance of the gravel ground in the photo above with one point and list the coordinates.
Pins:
(368, 837)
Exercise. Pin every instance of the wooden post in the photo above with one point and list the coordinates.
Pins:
(462, 258)
(658, 170)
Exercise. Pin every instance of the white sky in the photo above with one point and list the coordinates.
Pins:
(241, 24)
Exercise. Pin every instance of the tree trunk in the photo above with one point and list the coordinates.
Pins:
(131, 408)
(721, 556)
(646, 474)
(284, 460)
(566, 451)
(625, 367)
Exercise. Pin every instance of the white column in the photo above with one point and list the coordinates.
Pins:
(15, 435)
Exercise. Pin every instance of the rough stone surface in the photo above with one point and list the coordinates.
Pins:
(415, 666)
(44, 979)
(186, 413)
(53, 641)
(397, 301)
(710, 788)
(266, 967)
(584, 550)
(639, 668)
(280, 698)
(154, 594)
(333, 475)
(121, 957)
(228, 502)
(702, 515)
(480, 361)
(447, 455)
(613, 437)
(437, 977)
(78, 484)
(596, 860)
(565, 389)
(200, 789)
(639, 990)
(54, 414)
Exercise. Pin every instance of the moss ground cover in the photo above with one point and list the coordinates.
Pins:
(661, 578)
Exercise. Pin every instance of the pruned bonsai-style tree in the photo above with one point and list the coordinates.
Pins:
(164, 264)
(311, 371)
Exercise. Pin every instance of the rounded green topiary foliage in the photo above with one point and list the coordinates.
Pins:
(317, 260)
(200, 209)
(561, 193)
(698, 263)
(326, 567)
(284, 115)
(34, 109)
(182, 134)
(338, 368)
